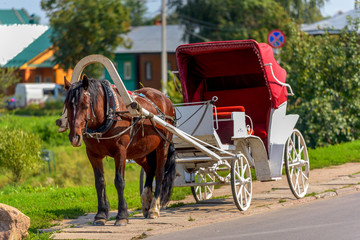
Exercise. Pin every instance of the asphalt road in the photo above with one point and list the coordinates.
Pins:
(335, 218)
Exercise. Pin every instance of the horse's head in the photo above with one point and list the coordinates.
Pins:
(78, 106)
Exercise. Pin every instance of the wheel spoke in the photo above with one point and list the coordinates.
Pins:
(291, 172)
(239, 192)
(304, 175)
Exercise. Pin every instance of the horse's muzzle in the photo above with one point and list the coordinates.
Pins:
(76, 140)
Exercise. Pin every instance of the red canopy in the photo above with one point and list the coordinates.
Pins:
(229, 65)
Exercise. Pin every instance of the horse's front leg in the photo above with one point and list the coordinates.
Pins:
(120, 161)
(102, 214)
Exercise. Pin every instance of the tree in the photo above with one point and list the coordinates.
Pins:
(324, 74)
(8, 77)
(303, 11)
(82, 27)
(213, 20)
(137, 10)
(19, 152)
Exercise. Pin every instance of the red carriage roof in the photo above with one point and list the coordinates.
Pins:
(229, 65)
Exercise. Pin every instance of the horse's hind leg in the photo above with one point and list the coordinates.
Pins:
(102, 214)
(146, 196)
(120, 161)
(161, 157)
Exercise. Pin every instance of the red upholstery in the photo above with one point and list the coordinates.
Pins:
(231, 109)
(225, 112)
(260, 131)
(256, 101)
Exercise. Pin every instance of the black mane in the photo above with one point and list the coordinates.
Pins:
(76, 90)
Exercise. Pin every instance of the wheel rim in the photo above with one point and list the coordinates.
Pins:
(297, 164)
(201, 193)
(241, 182)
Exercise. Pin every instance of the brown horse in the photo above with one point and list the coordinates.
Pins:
(107, 132)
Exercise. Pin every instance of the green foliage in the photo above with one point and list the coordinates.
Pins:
(19, 152)
(82, 27)
(50, 108)
(303, 11)
(324, 74)
(8, 77)
(137, 9)
(172, 90)
(213, 20)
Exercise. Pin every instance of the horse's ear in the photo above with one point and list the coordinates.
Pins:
(85, 82)
(66, 84)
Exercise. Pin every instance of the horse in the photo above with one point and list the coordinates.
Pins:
(92, 118)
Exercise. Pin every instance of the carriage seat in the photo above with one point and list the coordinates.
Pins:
(256, 101)
(225, 113)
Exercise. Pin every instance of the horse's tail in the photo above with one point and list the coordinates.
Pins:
(169, 176)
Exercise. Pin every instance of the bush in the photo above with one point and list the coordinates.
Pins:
(19, 152)
(50, 108)
(324, 74)
(174, 94)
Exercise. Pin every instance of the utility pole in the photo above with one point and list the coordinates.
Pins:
(164, 74)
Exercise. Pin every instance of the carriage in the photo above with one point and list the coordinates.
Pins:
(235, 98)
(232, 120)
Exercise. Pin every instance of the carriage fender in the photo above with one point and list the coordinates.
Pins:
(280, 128)
(258, 157)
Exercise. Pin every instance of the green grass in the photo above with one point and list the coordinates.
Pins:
(334, 155)
(43, 126)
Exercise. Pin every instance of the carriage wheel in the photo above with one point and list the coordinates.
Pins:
(241, 182)
(201, 193)
(297, 164)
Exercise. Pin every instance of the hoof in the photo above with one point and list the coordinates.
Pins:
(99, 222)
(154, 215)
(121, 222)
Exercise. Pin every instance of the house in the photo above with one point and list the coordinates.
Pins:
(25, 45)
(140, 65)
(35, 62)
(332, 25)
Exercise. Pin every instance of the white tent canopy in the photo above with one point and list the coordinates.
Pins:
(15, 38)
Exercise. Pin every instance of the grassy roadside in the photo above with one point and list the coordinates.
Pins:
(334, 154)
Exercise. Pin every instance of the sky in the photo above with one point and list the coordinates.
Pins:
(331, 8)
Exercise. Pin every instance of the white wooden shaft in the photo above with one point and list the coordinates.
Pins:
(95, 58)
(182, 135)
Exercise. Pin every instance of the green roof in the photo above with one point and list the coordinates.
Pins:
(35, 48)
(46, 64)
(13, 16)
